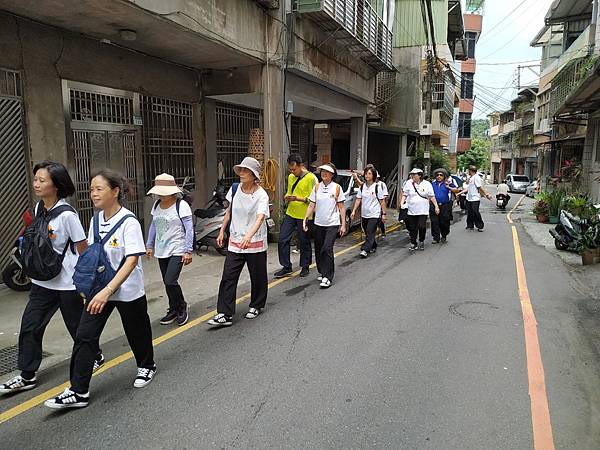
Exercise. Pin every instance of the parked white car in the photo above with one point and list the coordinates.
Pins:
(517, 183)
(532, 189)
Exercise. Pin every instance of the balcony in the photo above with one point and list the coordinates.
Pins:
(355, 25)
(568, 80)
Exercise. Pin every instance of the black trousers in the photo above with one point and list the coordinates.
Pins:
(257, 268)
(473, 215)
(416, 225)
(170, 268)
(42, 305)
(136, 323)
(382, 227)
(370, 228)
(324, 240)
(462, 201)
(286, 231)
(440, 223)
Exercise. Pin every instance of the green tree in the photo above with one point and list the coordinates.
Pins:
(478, 155)
(479, 128)
(438, 159)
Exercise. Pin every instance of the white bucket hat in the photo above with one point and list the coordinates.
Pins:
(327, 167)
(164, 184)
(249, 163)
(416, 170)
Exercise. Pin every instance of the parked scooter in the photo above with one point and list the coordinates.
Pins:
(502, 201)
(568, 230)
(13, 274)
(208, 221)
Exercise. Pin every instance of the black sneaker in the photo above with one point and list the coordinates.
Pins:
(182, 316)
(304, 272)
(17, 384)
(144, 376)
(221, 320)
(413, 247)
(98, 362)
(444, 240)
(169, 318)
(68, 399)
(435, 241)
(480, 230)
(421, 246)
(363, 254)
(284, 272)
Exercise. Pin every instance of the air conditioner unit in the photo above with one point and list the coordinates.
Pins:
(425, 129)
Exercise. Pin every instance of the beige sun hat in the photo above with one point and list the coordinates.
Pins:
(327, 167)
(416, 170)
(164, 184)
(248, 163)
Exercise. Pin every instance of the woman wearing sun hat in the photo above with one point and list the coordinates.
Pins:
(248, 209)
(171, 241)
(327, 202)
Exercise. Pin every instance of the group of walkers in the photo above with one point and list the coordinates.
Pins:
(114, 244)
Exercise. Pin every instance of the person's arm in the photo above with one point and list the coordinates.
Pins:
(357, 203)
(151, 240)
(260, 218)
(97, 304)
(188, 226)
(309, 213)
(288, 194)
(342, 211)
(226, 218)
(483, 192)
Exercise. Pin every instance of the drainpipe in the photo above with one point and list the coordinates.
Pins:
(593, 25)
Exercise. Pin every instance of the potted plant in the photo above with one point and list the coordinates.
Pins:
(540, 209)
(555, 200)
(588, 245)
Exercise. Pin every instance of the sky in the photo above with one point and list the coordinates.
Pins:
(508, 28)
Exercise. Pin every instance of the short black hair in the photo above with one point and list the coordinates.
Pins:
(472, 168)
(295, 158)
(114, 180)
(59, 175)
(373, 170)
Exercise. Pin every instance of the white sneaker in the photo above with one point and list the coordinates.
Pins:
(325, 282)
(144, 376)
(363, 254)
(320, 277)
(16, 384)
(68, 399)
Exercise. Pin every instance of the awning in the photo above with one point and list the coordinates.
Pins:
(571, 137)
(568, 10)
(586, 97)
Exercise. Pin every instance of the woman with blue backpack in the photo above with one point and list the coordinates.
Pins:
(48, 250)
(109, 275)
(171, 241)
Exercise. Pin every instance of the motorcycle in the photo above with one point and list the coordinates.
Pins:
(502, 201)
(568, 230)
(13, 275)
(208, 221)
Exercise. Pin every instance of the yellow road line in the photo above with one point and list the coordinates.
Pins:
(540, 411)
(508, 216)
(53, 392)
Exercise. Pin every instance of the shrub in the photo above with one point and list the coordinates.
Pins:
(540, 208)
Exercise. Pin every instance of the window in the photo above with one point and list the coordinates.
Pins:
(471, 39)
(464, 125)
(466, 85)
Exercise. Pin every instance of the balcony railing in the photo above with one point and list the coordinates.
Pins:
(385, 90)
(355, 25)
(568, 79)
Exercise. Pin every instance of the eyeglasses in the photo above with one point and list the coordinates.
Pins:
(439, 174)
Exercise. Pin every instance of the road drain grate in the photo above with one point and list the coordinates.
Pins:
(8, 359)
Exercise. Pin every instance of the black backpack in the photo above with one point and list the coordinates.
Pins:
(37, 255)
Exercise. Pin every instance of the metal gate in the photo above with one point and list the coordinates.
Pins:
(234, 123)
(103, 134)
(14, 190)
(167, 140)
(300, 141)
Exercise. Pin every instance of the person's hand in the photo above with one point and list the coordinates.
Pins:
(342, 229)
(488, 196)
(98, 302)
(186, 258)
(352, 215)
(383, 217)
(220, 239)
(304, 225)
(149, 252)
(437, 210)
(245, 242)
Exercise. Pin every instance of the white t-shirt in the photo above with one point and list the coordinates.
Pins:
(170, 234)
(417, 205)
(370, 206)
(383, 188)
(127, 240)
(246, 207)
(326, 209)
(66, 225)
(503, 189)
(475, 183)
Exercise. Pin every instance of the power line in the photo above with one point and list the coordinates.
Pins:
(505, 17)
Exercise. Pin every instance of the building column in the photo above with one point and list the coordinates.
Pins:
(358, 141)
(276, 145)
(513, 165)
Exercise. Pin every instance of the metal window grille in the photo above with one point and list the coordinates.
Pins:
(96, 107)
(233, 135)
(14, 195)
(300, 138)
(167, 139)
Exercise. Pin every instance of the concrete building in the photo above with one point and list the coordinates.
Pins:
(188, 88)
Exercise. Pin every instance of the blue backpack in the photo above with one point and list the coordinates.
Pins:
(93, 270)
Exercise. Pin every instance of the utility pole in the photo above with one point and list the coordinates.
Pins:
(428, 108)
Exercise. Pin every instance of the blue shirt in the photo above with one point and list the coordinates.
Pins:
(442, 193)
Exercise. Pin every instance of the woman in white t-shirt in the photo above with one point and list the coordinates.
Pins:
(248, 209)
(371, 201)
(125, 292)
(171, 241)
(52, 185)
(416, 195)
(327, 202)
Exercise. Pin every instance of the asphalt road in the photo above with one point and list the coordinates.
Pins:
(404, 351)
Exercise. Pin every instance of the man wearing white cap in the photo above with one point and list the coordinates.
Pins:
(248, 209)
